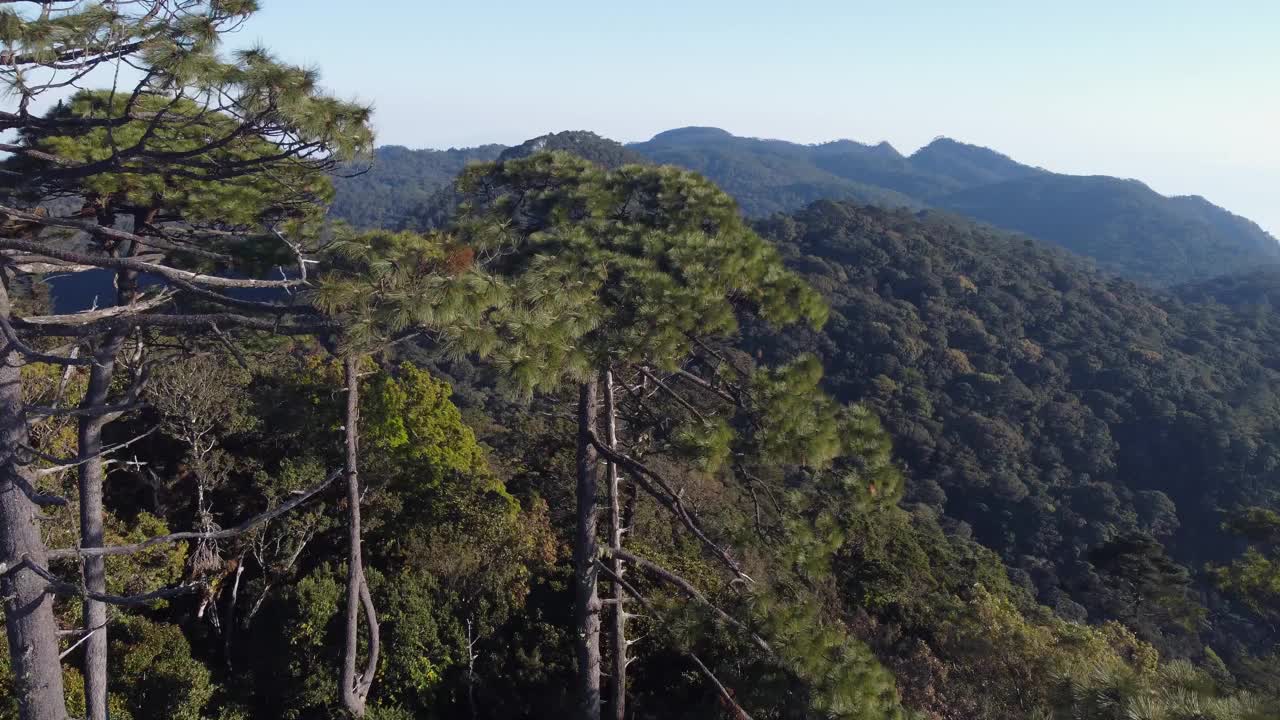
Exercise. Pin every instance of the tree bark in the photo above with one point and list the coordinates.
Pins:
(616, 530)
(354, 691)
(30, 626)
(586, 598)
(91, 481)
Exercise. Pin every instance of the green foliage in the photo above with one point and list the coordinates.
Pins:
(1177, 691)
(1254, 578)
(448, 550)
(794, 422)
(154, 674)
(411, 420)
(622, 266)
(200, 196)
(382, 285)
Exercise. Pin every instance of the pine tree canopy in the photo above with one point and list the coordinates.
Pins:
(658, 256)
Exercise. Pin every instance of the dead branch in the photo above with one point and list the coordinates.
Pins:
(688, 589)
(669, 499)
(246, 526)
(706, 671)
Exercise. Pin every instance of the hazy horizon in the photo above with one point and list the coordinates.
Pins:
(1175, 94)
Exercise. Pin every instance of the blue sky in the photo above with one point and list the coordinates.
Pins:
(1182, 95)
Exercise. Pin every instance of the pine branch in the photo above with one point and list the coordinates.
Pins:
(193, 323)
(120, 263)
(673, 394)
(33, 355)
(705, 385)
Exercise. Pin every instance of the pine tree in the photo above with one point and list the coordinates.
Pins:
(636, 278)
(382, 287)
(179, 177)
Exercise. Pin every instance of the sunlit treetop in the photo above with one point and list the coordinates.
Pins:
(630, 265)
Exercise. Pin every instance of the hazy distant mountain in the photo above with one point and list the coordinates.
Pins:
(968, 165)
(765, 176)
(1126, 227)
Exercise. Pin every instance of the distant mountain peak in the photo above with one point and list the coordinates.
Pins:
(882, 148)
(942, 143)
(693, 133)
(583, 143)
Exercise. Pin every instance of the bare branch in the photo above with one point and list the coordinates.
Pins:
(33, 355)
(673, 394)
(89, 316)
(706, 671)
(247, 525)
(688, 589)
(120, 263)
(37, 497)
(64, 465)
(669, 498)
(194, 323)
(61, 587)
(705, 385)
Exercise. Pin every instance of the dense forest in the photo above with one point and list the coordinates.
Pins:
(378, 191)
(307, 429)
(1049, 408)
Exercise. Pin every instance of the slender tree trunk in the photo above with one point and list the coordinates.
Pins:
(586, 598)
(92, 479)
(30, 626)
(355, 686)
(616, 529)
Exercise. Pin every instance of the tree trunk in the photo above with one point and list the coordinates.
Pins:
(92, 479)
(586, 599)
(355, 687)
(616, 529)
(28, 610)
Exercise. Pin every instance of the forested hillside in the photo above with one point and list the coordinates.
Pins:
(567, 435)
(1049, 408)
(380, 190)
(1127, 227)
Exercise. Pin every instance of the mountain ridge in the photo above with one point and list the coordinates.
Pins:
(1124, 225)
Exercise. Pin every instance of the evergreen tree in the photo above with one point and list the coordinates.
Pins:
(631, 278)
(184, 172)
